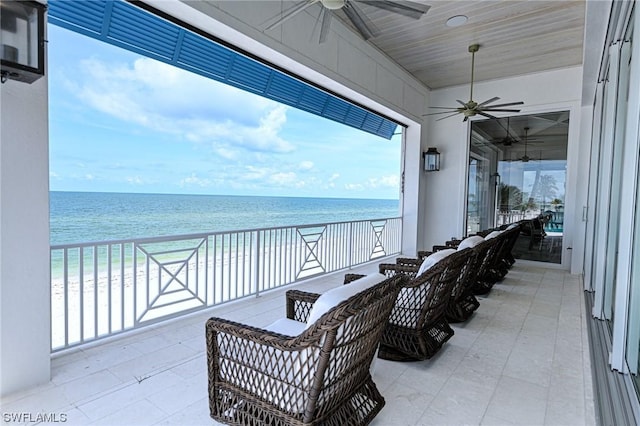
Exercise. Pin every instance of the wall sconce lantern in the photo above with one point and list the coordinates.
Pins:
(22, 40)
(431, 160)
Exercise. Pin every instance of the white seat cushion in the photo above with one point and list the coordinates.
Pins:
(432, 259)
(512, 226)
(296, 379)
(470, 242)
(287, 326)
(336, 295)
(493, 235)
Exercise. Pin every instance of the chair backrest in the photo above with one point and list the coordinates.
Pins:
(423, 300)
(510, 236)
(471, 241)
(348, 336)
(434, 258)
(485, 255)
(464, 276)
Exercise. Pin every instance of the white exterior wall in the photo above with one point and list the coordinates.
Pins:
(446, 190)
(25, 301)
(345, 64)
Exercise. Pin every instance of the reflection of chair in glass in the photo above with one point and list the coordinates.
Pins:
(537, 234)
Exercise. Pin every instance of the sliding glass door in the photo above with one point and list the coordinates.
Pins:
(517, 173)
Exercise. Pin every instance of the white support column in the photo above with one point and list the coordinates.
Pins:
(412, 195)
(25, 302)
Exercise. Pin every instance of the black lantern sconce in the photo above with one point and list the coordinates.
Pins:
(22, 40)
(431, 160)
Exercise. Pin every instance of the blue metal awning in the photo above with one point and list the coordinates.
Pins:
(130, 27)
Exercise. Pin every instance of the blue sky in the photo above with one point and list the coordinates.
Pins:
(120, 122)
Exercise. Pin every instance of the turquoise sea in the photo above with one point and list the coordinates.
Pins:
(80, 217)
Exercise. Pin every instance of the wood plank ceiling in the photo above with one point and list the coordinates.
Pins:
(515, 37)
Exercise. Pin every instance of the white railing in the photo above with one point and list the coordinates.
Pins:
(105, 288)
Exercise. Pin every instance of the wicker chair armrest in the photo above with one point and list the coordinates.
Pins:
(453, 243)
(424, 253)
(409, 261)
(299, 304)
(247, 337)
(441, 247)
(389, 270)
(352, 277)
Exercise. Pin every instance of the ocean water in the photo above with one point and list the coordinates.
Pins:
(80, 217)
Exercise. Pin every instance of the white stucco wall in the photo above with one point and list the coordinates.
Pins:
(24, 236)
(445, 191)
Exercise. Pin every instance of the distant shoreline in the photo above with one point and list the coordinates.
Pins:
(225, 195)
(81, 217)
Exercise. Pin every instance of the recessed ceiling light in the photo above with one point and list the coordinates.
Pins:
(456, 21)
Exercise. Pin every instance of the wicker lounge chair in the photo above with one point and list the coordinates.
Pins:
(504, 258)
(487, 250)
(418, 326)
(297, 373)
(462, 302)
(494, 256)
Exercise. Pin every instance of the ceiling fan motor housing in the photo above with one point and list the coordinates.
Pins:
(333, 4)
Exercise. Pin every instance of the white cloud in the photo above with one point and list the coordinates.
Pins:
(135, 180)
(165, 99)
(89, 176)
(226, 153)
(389, 181)
(306, 165)
(285, 179)
(194, 180)
(354, 186)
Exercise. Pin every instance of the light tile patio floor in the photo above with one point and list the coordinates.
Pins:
(521, 359)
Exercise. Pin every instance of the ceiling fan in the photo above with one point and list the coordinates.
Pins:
(351, 9)
(471, 108)
(525, 158)
(507, 140)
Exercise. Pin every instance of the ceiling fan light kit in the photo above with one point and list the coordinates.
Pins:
(472, 108)
(333, 4)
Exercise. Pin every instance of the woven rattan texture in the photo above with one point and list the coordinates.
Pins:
(258, 377)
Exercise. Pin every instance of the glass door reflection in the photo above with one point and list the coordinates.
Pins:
(523, 162)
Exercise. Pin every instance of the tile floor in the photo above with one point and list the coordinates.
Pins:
(522, 359)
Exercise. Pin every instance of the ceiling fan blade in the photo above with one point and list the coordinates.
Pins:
(507, 104)
(325, 18)
(486, 115)
(407, 8)
(500, 110)
(450, 115)
(439, 107)
(489, 101)
(362, 23)
(440, 112)
(290, 13)
(461, 103)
